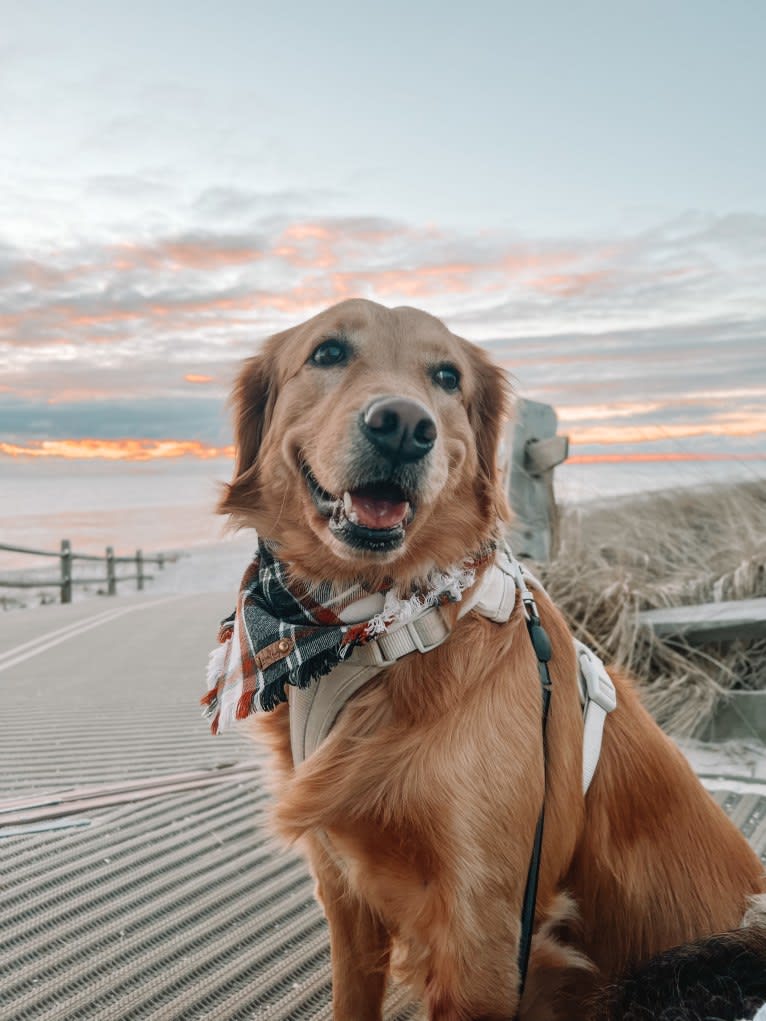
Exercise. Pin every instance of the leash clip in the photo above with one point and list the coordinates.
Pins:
(527, 599)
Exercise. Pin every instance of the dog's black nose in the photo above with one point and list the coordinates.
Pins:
(400, 428)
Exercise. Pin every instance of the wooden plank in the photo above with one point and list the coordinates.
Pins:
(710, 622)
(30, 584)
(160, 559)
(41, 799)
(543, 455)
(91, 797)
(26, 549)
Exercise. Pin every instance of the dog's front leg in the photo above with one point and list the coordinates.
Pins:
(359, 943)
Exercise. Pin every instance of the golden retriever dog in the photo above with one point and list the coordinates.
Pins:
(367, 444)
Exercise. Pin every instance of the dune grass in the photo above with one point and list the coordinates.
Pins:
(665, 549)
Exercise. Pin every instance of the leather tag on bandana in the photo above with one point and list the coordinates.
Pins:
(272, 653)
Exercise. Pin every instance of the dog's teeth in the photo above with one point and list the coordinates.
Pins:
(348, 507)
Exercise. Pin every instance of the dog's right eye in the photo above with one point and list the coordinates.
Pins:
(330, 352)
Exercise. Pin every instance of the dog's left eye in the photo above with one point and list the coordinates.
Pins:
(447, 377)
(330, 352)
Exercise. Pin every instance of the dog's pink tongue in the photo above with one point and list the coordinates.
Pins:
(378, 510)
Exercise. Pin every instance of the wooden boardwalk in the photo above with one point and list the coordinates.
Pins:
(139, 879)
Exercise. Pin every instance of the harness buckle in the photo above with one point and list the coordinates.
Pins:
(432, 632)
(421, 634)
(598, 684)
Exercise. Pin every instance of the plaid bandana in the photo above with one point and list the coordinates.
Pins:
(286, 631)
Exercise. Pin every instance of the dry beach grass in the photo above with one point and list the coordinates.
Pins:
(665, 549)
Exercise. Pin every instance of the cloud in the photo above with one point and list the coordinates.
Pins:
(114, 450)
(190, 415)
(132, 187)
(191, 252)
(628, 458)
(730, 424)
(282, 268)
(634, 324)
(237, 205)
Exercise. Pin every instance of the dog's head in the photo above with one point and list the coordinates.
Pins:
(366, 444)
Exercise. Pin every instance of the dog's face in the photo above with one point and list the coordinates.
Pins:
(366, 444)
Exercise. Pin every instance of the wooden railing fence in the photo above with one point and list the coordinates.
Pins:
(67, 580)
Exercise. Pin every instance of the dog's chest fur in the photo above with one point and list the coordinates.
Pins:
(425, 783)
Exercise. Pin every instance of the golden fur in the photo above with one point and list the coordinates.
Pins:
(417, 813)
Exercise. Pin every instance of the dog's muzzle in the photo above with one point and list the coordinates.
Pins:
(385, 472)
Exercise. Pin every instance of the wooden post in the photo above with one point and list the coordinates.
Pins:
(161, 560)
(139, 570)
(66, 571)
(536, 450)
(111, 581)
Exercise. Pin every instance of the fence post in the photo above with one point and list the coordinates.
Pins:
(66, 571)
(535, 451)
(161, 560)
(111, 581)
(139, 570)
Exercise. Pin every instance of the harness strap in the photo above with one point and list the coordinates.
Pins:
(314, 709)
(599, 697)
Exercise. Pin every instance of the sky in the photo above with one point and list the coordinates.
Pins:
(579, 187)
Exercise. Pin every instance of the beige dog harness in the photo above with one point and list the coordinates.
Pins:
(314, 709)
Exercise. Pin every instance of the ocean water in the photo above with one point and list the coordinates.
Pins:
(580, 482)
(169, 506)
(152, 506)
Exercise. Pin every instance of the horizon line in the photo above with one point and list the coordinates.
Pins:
(137, 450)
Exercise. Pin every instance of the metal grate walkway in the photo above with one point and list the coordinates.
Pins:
(177, 907)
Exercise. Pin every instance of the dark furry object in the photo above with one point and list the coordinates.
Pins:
(722, 978)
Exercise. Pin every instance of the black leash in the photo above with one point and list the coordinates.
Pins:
(541, 643)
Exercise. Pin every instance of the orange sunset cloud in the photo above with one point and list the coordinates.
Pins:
(734, 424)
(115, 450)
(184, 254)
(620, 458)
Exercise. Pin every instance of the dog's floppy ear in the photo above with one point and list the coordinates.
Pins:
(488, 413)
(253, 398)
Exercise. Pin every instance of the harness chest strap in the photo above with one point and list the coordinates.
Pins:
(314, 709)
(599, 698)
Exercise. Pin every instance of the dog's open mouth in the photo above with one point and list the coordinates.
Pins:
(372, 517)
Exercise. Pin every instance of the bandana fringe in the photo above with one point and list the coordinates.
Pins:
(216, 663)
(447, 587)
(244, 673)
